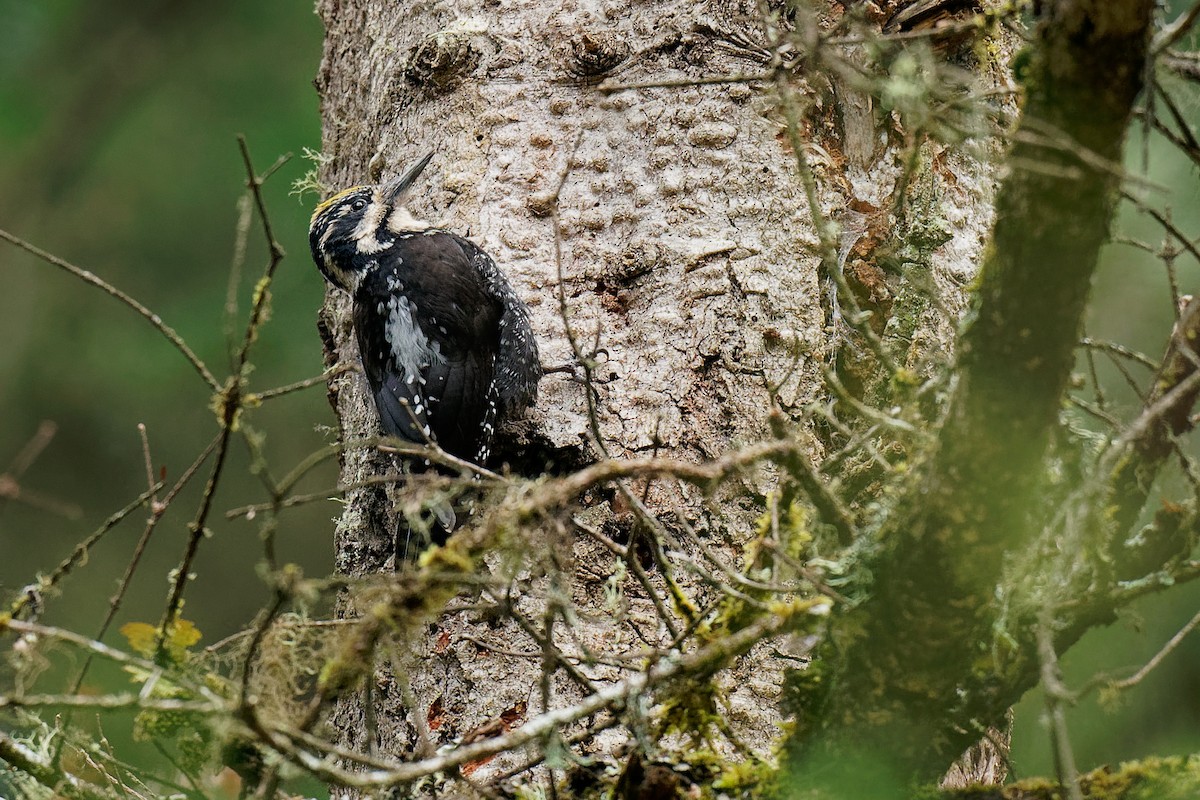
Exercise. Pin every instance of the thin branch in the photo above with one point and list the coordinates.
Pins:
(574, 739)
(867, 412)
(97, 648)
(324, 377)
(670, 83)
(827, 504)
(146, 314)
(1175, 31)
(28, 454)
(158, 509)
(1114, 349)
(544, 645)
(622, 693)
(149, 464)
(125, 701)
(232, 399)
(706, 476)
(1056, 695)
(1043, 135)
(255, 182)
(80, 553)
(241, 234)
(197, 527)
(1162, 220)
(1096, 410)
(10, 479)
(20, 757)
(1175, 641)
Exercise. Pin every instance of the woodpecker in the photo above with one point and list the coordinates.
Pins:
(445, 342)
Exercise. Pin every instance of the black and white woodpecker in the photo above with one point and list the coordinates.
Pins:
(444, 340)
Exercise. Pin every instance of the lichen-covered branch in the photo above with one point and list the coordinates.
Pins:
(914, 653)
(1152, 440)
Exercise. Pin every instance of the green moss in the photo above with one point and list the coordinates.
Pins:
(1166, 778)
(1021, 65)
(691, 714)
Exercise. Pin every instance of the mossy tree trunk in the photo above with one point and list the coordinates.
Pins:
(907, 704)
(688, 237)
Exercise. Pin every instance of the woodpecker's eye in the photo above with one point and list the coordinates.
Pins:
(358, 205)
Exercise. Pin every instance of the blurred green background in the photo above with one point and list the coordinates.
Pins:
(1132, 304)
(117, 152)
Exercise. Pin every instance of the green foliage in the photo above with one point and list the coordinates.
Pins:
(1173, 778)
(118, 122)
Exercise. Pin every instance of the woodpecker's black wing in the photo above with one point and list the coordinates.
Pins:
(429, 331)
(518, 367)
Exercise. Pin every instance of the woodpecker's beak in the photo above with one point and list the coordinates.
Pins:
(396, 186)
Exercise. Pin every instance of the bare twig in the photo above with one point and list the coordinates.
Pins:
(10, 479)
(197, 527)
(1172, 33)
(28, 454)
(157, 511)
(80, 553)
(867, 412)
(1056, 695)
(97, 648)
(241, 234)
(706, 475)
(1119, 350)
(544, 645)
(87, 277)
(1175, 641)
(669, 83)
(1166, 223)
(125, 701)
(231, 396)
(324, 377)
(45, 772)
(712, 656)
(827, 504)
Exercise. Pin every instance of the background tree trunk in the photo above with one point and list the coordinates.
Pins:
(691, 264)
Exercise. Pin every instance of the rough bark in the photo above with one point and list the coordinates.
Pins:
(689, 254)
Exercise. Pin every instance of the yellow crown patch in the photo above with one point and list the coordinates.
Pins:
(332, 200)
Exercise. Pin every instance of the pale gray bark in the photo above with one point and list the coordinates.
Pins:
(687, 246)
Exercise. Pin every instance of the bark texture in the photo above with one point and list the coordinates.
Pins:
(689, 256)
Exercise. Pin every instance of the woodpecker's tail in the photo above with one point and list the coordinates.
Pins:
(432, 527)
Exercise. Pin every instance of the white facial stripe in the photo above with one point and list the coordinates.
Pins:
(325, 236)
(364, 234)
(402, 221)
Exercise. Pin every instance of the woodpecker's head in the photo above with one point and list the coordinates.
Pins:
(349, 230)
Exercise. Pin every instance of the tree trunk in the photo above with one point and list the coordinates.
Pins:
(698, 284)
(978, 497)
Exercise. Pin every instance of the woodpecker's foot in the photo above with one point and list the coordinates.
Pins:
(577, 373)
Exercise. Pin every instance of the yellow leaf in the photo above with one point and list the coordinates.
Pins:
(184, 634)
(142, 637)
